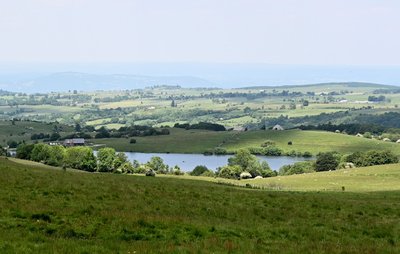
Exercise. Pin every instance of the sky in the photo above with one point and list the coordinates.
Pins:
(276, 32)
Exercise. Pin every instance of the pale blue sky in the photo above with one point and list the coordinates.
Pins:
(317, 32)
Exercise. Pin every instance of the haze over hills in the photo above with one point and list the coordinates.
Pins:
(47, 78)
(65, 81)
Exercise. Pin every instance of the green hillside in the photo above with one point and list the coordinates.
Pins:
(198, 141)
(47, 210)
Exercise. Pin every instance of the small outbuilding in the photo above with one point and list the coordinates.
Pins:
(359, 135)
(398, 141)
(386, 140)
(277, 128)
(74, 142)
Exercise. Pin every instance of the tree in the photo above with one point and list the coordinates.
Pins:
(24, 151)
(119, 160)
(56, 157)
(249, 163)
(106, 158)
(326, 162)
(12, 144)
(157, 164)
(77, 127)
(305, 103)
(40, 152)
(80, 157)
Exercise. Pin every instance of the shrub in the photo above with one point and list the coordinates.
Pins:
(199, 170)
(208, 173)
(132, 141)
(232, 172)
(298, 168)
(290, 143)
(272, 151)
(326, 162)
(307, 154)
(220, 151)
(268, 143)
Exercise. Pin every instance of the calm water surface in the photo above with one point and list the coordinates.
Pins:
(187, 162)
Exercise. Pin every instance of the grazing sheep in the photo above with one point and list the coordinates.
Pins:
(150, 173)
(245, 175)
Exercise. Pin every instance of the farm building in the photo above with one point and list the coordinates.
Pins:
(386, 140)
(359, 135)
(239, 128)
(74, 142)
(277, 128)
(398, 141)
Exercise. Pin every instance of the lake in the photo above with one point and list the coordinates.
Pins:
(187, 162)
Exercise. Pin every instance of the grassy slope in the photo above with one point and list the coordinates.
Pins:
(194, 141)
(312, 141)
(22, 130)
(375, 178)
(46, 210)
(179, 141)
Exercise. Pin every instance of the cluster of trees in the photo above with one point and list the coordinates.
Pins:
(374, 98)
(83, 158)
(201, 126)
(130, 131)
(371, 158)
(245, 165)
(352, 128)
(331, 161)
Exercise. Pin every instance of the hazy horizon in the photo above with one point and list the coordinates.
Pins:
(225, 43)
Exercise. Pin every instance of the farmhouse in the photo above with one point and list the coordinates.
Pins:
(74, 142)
(277, 128)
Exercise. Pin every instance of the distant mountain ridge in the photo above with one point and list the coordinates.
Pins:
(348, 84)
(65, 81)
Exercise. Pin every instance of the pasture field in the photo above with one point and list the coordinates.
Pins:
(47, 210)
(199, 141)
(22, 130)
(231, 107)
(179, 141)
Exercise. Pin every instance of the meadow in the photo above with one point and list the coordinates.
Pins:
(199, 141)
(48, 210)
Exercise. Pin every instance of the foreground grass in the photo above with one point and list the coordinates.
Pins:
(46, 210)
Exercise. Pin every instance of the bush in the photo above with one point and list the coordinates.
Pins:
(272, 151)
(220, 151)
(199, 170)
(326, 162)
(132, 141)
(231, 172)
(298, 168)
(268, 143)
